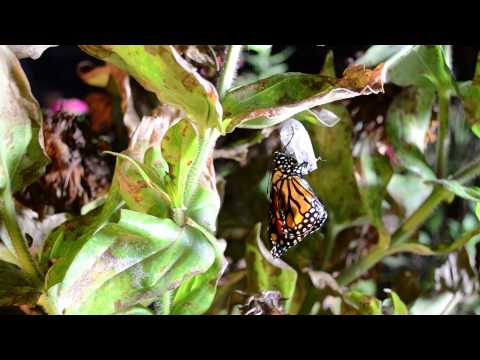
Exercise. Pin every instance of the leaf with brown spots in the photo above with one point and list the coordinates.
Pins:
(270, 101)
(131, 262)
(179, 149)
(161, 69)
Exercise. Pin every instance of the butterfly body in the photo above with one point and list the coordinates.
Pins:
(295, 211)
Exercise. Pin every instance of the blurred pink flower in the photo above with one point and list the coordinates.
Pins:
(74, 106)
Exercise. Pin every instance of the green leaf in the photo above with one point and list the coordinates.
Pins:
(366, 305)
(476, 129)
(412, 159)
(272, 100)
(142, 179)
(421, 66)
(477, 210)
(466, 192)
(408, 117)
(408, 121)
(470, 94)
(204, 207)
(136, 310)
(195, 296)
(379, 53)
(416, 248)
(148, 136)
(260, 48)
(265, 273)
(399, 308)
(334, 181)
(134, 261)
(179, 149)
(161, 69)
(139, 187)
(63, 244)
(328, 68)
(7, 255)
(22, 158)
(401, 187)
(16, 288)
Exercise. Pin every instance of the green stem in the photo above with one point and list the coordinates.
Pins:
(409, 226)
(178, 216)
(362, 266)
(443, 141)
(229, 69)
(19, 244)
(206, 144)
(164, 303)
(329, 243)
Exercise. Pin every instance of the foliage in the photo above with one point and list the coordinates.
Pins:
(181, 229)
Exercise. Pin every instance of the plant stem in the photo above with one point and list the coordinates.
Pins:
(178, 216)
(419, 216)
(229, 68)
(329, 243)
(409, 226)
(206, 144)
(362, 266)
(443, 141)
(164, 303)
(19, 244)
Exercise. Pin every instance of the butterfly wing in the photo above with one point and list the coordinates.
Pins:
(277, 219)
(295, 212)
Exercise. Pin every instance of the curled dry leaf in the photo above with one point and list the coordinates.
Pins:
(117, 83)
(77, 174)
(203, 57)
(152, 129)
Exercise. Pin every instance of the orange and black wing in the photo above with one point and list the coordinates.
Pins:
(295, 210)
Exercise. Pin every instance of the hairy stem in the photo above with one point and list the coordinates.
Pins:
(229, 68)
(25, 259)
(206, 144)
(409, 226)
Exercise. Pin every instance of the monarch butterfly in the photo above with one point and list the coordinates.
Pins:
(295, 210)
